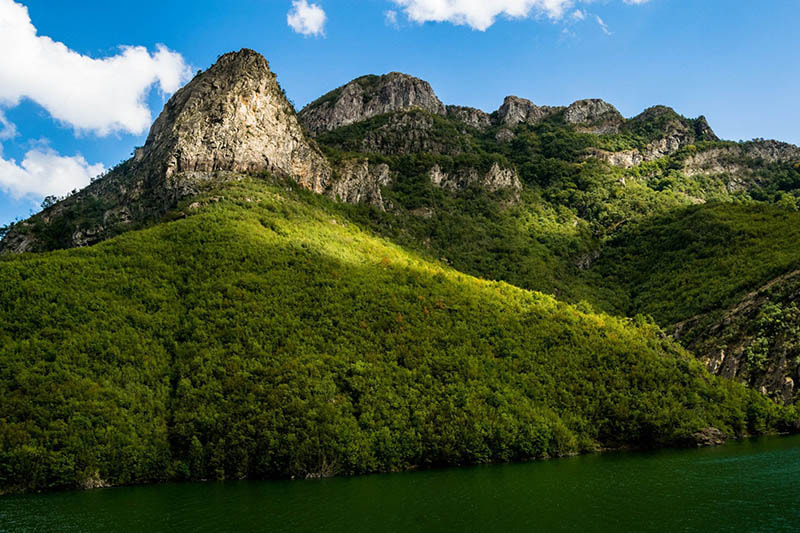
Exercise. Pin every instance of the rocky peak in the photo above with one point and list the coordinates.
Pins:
(470, 116)
(703, 131)
(232, 117)
(594, 116)
(370, 96)
(516, 110)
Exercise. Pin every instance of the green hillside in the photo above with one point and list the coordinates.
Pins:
(262, 333)
(701, 259)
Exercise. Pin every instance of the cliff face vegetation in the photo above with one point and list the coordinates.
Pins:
(382, 281)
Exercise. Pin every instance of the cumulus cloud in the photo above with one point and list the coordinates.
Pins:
(481, 14)
(43, 172)
(7, 129)
(100, 95)
(306, 19)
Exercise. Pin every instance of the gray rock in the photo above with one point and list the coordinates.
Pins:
(497, 178)
(358, 181)
(709, 436)
(367, 97)
(517, 110)
(470, 116)
(594, 116)
(233, 117)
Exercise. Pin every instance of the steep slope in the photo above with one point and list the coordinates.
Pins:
(233, 117)
(757, 341)
(723, 278)
(262, 335)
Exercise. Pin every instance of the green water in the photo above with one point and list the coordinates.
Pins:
(744, 486)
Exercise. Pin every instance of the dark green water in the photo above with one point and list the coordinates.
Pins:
(744, 486)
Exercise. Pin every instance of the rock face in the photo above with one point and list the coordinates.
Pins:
(470, 116)
(230, 119)
(368, 97)
(358, 181)
(497, 178)
(757, 341)
(594, 116)
(733, 158)
(233, 117)
(709, 436)
(667, 132)
(517, 110)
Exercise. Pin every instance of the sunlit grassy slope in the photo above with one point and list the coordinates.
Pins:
(264, 335)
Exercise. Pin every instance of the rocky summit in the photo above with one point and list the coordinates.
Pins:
(233, 117)
(367, 97)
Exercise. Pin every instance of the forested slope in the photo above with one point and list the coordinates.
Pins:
(262, 334)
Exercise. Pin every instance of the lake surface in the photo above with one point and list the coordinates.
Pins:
(751, 485)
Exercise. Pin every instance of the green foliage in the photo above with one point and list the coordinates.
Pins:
(266, 335)
(776, 326)
(700, 259)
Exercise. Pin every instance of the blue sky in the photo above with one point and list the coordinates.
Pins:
(734, 61)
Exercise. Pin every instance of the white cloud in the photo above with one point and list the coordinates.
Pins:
(390, 18)
(481, 14)
(7, 129)
(101, 95)
(578, 15)
(43, 172)
(603, 25)
(306, 19)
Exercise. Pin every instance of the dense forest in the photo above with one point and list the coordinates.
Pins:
(266, 335)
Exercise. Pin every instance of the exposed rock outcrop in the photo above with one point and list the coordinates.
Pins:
(515, 111)
(734, 158)
(230, 119)
(497, 178)
(594, 116)
(709, 436)
(470, 116)
(233, 117)
(367, 97)
(358, 181)
(756, 342)
(667, 133)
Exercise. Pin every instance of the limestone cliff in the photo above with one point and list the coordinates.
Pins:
(367, 97)
(359, 181)
(517, 110)
(480, 120)
(594, 116)
(497, 178)
(233, 117)
(665, 131)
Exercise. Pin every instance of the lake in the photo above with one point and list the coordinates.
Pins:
(751, 485)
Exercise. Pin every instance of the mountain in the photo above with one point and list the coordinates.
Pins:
(232, 118)
(367, 97)
(261, 294)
